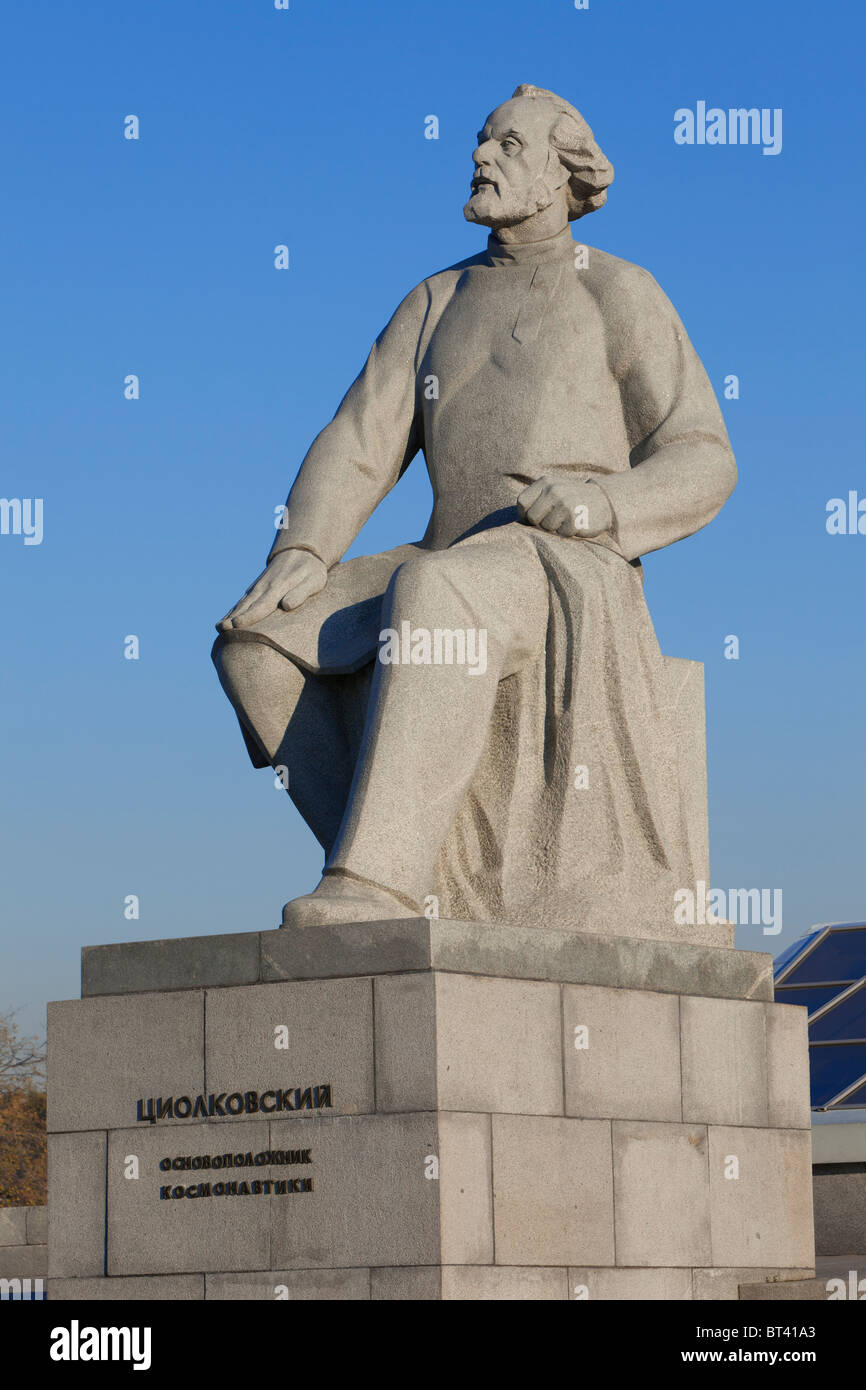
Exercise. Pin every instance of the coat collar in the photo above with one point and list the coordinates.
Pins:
(529, 252)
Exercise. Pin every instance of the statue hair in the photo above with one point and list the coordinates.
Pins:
(590, 172)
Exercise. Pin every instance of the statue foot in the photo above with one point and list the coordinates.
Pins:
(338, 900)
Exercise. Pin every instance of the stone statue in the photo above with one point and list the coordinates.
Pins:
(479, 722)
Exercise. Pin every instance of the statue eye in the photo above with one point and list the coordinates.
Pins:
(509, 144)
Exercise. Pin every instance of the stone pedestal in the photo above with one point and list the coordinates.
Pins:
(426, 1110)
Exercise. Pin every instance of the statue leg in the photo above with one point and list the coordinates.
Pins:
(427, 724)
(307, 724)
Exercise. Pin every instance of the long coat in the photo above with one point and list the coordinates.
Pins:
(519, 363)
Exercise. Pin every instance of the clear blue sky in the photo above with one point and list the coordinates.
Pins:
(155, 257)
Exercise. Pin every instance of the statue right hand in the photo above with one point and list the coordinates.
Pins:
(292, 576)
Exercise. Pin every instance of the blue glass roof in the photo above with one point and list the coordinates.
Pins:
(825, 971)
(835, 954)
(843, 1018)
(794, 950)
(834, 1070)
(811, 997)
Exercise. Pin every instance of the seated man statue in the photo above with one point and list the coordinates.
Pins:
(478, 725)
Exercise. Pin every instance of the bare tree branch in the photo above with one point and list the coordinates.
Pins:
(22, 1060)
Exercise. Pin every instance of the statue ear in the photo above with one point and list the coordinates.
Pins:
(589, 168)
(555, 175)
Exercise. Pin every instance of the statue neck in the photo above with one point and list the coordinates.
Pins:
(523, 252)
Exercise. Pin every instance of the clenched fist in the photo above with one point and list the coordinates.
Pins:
(565, 506)
(292, 576)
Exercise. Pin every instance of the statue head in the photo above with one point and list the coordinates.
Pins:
(533, 151)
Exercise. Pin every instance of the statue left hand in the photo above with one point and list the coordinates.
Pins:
(565, 506)
(292, 576)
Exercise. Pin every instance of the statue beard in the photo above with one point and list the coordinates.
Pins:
(509, 208)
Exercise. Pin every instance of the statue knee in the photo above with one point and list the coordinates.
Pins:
(428, 588)
(263, 686)
(237, 665)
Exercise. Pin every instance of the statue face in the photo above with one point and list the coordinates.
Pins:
(516, 172)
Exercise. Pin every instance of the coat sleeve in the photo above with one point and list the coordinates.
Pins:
(682, 466)
(356, 459)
